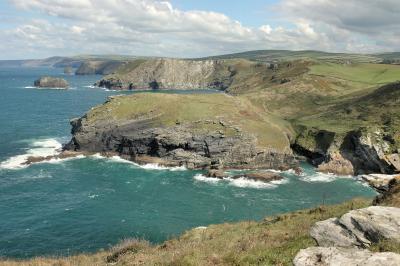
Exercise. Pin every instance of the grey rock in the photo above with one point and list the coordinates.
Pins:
(333, 256)
(359, 228)
(51, 82)
(331, 233)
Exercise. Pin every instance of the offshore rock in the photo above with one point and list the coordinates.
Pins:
(51, 82)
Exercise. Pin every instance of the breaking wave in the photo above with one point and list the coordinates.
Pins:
(241, 182)
(38, 148)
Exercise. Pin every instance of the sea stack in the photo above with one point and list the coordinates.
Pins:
(51, 82)
(68, 70)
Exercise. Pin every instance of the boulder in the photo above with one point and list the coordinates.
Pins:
(216, 173)
(331, 233)
(51, 82)
(359, 228)
(344, 256)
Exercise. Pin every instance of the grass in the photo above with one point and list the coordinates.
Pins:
(369, 74)
(169, 109)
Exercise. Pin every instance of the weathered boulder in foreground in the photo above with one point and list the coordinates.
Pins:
(197, 131)
(331, 233)
(359, 228)
(51, 82)
(326, 256)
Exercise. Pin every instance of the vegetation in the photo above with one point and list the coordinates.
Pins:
(170, 109)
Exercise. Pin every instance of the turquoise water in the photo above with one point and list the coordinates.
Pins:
(84, 204)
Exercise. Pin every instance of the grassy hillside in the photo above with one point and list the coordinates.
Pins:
(169, 109)
(286, 55)
(368, 74)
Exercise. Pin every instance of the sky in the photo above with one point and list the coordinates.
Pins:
(189, 28)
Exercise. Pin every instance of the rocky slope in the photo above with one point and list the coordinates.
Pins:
(197, 131)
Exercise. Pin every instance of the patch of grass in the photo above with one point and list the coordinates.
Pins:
(369, 74)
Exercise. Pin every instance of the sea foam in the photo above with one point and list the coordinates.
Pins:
(241, 182)
(37, 148)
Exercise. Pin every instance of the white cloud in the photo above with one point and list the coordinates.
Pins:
(150, 27)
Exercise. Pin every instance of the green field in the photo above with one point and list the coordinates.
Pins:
(369, 74)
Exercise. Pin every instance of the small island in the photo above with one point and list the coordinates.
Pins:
(51, 83)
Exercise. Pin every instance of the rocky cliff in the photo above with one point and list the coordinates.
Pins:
(235, 76)
(196, 131)
(357, 137)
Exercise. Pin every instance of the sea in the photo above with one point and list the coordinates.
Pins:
(89, 203)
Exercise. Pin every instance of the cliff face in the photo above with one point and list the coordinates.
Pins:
(212, 134)
(170, 74)
(356, 152)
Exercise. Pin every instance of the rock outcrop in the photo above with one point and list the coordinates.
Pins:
(171, 74)
(51, 82)
(330, 256)
(357, 152)
(359, 228)
(171, 133)
(381, 182)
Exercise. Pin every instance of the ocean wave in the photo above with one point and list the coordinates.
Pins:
(203, 178)
(321, 177)
(241, 182)
(149, 166)
(38, 148)
(155, 166)
(30, 87)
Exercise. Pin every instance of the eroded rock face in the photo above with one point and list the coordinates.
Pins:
(359, 228)
(326, 256)
(357, 152)
(51, 82)
(172, 74)
(178, 145)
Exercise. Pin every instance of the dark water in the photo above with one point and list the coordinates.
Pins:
(85, 204)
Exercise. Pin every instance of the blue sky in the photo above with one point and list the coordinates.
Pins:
(188, 28)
